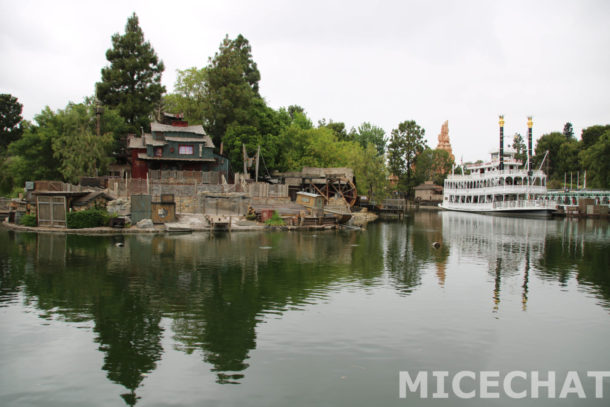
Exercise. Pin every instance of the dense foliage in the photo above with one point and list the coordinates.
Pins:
(89, 218)
(62, 145)
(520, 148)
(132, 82)
(565, 155)
(10, 120)
(275, 220)
(28, 220)
(406, 143)
(189, 95)
(432, 165)
(231, 88)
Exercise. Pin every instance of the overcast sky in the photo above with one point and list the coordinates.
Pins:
(352, 61)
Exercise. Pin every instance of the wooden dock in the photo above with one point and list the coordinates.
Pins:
(219, 222)
(393, 207)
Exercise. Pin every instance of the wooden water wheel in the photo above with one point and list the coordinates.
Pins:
(340, 186)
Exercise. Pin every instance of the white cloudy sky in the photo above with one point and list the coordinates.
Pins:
(353, 61)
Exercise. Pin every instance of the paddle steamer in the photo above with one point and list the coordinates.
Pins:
(502, 185)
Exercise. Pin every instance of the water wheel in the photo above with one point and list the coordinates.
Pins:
(340, 186)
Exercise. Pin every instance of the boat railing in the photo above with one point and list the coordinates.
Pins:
(493, 174)
(495, 190)
(522, 203)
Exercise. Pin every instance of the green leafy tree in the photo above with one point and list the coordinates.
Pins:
(595, 160)
(295, 115)
(324, 150)
(406, 142)
(293, 110)
(261, 127)
(590, 135)
(132, 82)
(250, 69)
(189, 95)
(231, 87)
(62, 145)
(369, 134)
(321, 147)
(300, 145)
(10, 120)
(338, 128)
(79, 150)
(552, 143)
(31, 157)
(370, 171)
(432, 165)
(295, 141)
(568, 130)
(520, 148)
(567, 158)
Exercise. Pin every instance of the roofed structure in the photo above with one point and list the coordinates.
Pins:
(176, 146)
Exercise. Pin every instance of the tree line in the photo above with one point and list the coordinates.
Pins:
(224, 97)
(567, 155)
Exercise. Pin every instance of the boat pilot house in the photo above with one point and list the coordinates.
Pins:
(177, 147)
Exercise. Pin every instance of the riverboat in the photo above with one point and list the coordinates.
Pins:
(503, 185)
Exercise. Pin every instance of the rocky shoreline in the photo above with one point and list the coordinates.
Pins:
(191, 223)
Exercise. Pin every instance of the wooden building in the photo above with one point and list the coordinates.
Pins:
(428, 192)
(327, 182)
(309, 200)
(313, 202)
(94, 199)
(175, 147)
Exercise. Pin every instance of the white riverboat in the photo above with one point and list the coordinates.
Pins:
(502, 185)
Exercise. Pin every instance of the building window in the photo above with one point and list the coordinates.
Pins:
(185, 150)
(158, 151)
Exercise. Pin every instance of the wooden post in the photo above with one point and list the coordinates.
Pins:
(258, 153)
(98, 114)
(245, 157)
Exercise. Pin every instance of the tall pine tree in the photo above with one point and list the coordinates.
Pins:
(232, 86)
(132, 82)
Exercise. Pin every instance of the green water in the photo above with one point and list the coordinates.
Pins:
(301, 319)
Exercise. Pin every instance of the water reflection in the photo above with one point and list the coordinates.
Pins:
(409, 250)
(506, 244)
(216, 290)
(556, 250)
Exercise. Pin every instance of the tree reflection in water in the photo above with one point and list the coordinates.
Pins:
(216, 290)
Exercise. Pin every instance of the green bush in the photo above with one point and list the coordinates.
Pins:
(275, 220)
(90, 218)
(28, 220)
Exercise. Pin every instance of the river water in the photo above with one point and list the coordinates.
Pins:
(304, 318)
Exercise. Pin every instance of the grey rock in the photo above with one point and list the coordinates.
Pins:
(145, 224)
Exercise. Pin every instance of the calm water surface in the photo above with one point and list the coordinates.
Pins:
(301, 319)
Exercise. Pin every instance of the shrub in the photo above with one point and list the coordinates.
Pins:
(28, 220)
(89, 218)
(275, 220)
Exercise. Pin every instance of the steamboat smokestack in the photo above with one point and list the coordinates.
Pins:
(501, 122)
(530, 123)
